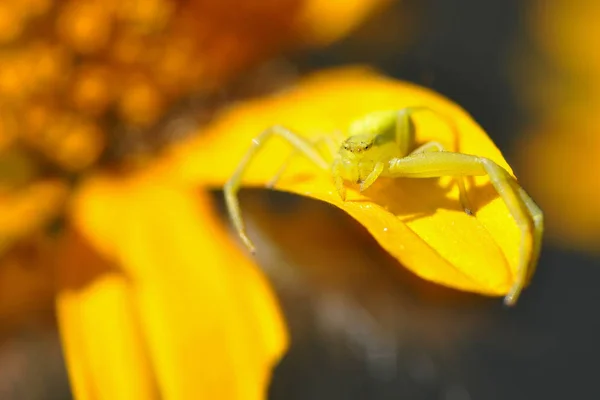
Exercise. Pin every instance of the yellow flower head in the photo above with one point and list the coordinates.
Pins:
(420, 222)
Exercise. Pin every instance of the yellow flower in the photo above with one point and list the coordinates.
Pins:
(419, 222)
(152, 298)
(137, 59)
(147, 263)
(150, 282)
(560, 152)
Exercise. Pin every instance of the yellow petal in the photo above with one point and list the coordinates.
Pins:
(100, 328)
(210, 325)
(420, 222)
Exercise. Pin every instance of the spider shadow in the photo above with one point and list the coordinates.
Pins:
(410, 199)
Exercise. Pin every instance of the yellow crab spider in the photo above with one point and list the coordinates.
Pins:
(382, 144)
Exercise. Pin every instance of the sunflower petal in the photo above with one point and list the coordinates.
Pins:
(211, 326)
(100, 327)
(420, 222)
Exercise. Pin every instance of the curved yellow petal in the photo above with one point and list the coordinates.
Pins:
(207, 318)
(99, 325)
(420, 222)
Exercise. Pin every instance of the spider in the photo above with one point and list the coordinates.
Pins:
(382, 144)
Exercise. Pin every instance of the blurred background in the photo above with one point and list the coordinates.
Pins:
(527, 71)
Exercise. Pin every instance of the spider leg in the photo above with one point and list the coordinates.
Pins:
(526, 213)
(538, 222)
(404, 118)
(405, 130)
(232, 186)
(372, 177)
(338, 181)
(315, 143)
(460, 180)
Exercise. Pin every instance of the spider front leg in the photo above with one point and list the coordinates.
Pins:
(315, 143)
(338, 180)
(525, 212)
(232, 186)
